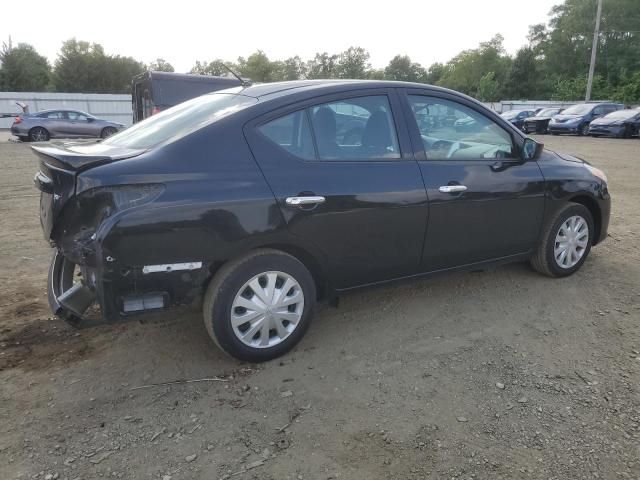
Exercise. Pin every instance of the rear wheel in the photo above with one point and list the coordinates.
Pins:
(259, 307)
(38, 134)
(63, 275)
(107, 132)
(566, 242)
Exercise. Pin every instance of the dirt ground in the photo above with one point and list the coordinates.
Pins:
(500, 374)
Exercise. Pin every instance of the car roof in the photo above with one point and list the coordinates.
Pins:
(276, 89)
(61, 110)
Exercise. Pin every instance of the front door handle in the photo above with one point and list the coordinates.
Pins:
(452, 188)
(307, 200)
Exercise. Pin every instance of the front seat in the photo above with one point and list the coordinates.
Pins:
(325, 128)
(376, 138)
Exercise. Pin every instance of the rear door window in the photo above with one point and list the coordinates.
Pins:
(53, 115)
(360, 128)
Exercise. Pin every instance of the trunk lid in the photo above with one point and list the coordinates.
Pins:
(59, 166)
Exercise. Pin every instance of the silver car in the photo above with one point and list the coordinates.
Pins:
(41, 126)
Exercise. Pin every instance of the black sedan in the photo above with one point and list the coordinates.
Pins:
(539, 123)
(256, 201)
(517, 117)
(621, 124)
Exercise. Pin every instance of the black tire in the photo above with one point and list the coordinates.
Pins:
(107, 132)
(543, 260)
(627, 132)
(583, 130)
(555, 133)
(227, 283)
(60, 278)
(39, 134)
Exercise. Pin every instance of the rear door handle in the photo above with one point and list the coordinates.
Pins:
(307, 200)
(452, 188)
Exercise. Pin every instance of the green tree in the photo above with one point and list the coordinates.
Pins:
(403, 69)
(322, 65)
(23, 69)
(216, 68)
(84, 67)
(353, 63)
(488, 88)
(292, 68)
(465, 70)
(161, 65)
(120, 72)
(434, 73)
(522, 79)
(258, 67)
(565, 45)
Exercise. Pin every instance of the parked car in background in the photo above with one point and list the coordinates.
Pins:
(152, 92)
(621, 124)
(517, 117)
(576, 119)
(255, 199)
(539, 123)
(41, 126)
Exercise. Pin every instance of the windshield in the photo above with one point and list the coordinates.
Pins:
(546, 112)
(178, 121)
(510, 114)
(623, 114)
(578, 109)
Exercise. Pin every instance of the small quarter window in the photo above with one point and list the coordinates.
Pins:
(292, 133)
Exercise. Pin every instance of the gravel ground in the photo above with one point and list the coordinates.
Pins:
(500, 374)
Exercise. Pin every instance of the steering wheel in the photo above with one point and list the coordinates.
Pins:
(455, 146)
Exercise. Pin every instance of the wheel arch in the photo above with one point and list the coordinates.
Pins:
(593, 207)
(303, 255)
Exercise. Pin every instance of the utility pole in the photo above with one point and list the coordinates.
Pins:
(594, 50)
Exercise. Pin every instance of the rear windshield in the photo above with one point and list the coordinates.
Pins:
(623, 114)
(510, 114)
(545, 112)
(178, 121)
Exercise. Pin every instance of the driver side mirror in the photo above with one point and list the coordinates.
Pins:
(531, 149)
(90, 119)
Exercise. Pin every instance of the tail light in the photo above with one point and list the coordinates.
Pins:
(17, 120)
(155, 110)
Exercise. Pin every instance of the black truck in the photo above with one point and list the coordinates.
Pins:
(152, 92)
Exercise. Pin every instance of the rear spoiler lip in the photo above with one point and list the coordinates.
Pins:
(61, 158)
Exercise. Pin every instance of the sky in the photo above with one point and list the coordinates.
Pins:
(184, 31)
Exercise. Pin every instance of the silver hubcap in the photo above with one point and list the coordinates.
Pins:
(267, 309)
(571, 241)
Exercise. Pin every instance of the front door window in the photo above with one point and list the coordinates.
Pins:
(452, 131)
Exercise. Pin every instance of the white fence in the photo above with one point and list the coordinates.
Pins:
(110, 107)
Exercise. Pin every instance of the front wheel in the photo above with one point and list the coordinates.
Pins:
(259, 307)
(583, 130)
(566, 242)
